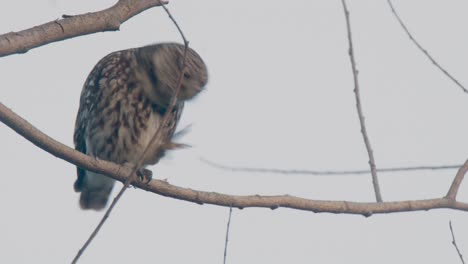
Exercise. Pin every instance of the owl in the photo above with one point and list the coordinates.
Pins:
(122, 104)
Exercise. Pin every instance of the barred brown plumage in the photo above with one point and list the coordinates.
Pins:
(122, 104)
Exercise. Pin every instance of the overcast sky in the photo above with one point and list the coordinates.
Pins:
(280, 95)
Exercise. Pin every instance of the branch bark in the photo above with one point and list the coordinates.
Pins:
(121, 173)
(109, 19)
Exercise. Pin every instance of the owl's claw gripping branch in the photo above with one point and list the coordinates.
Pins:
(145, 175)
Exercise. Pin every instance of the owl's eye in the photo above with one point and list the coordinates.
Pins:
(187, 75)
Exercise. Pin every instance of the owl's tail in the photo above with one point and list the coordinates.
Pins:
(95, 190)
(94, 200)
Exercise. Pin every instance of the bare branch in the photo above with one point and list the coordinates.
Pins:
(227, 235)
(375, 180)
(109, 19)
(155, 141)
(424, 50)
(160, 187)
(454, 243)
(452, 193)
(324, 172)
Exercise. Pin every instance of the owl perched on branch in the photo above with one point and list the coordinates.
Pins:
(122, 104)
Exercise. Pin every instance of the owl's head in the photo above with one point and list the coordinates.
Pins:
(159, 68)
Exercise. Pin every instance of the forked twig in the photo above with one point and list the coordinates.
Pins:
(454, 243)
(424, 50)
(153, 141)
(375, 180)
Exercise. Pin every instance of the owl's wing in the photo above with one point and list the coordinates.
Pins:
(80, 143)
(88, 95)
(169, 130)
(174, 120)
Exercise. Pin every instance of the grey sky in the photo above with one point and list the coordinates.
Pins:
(280, 95)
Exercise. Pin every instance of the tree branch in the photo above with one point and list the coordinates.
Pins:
(375, 179)
(161, 187)
(109, 19)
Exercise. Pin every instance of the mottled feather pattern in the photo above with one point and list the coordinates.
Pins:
(118, 117)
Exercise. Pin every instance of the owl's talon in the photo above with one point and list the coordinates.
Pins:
(145, 175)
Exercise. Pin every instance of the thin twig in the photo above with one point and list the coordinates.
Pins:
(424, 50)
(175, 23)
(452, 193)
(156, 136)
(454, 243)
(227, 235)
(324, 172)
(375, 180)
